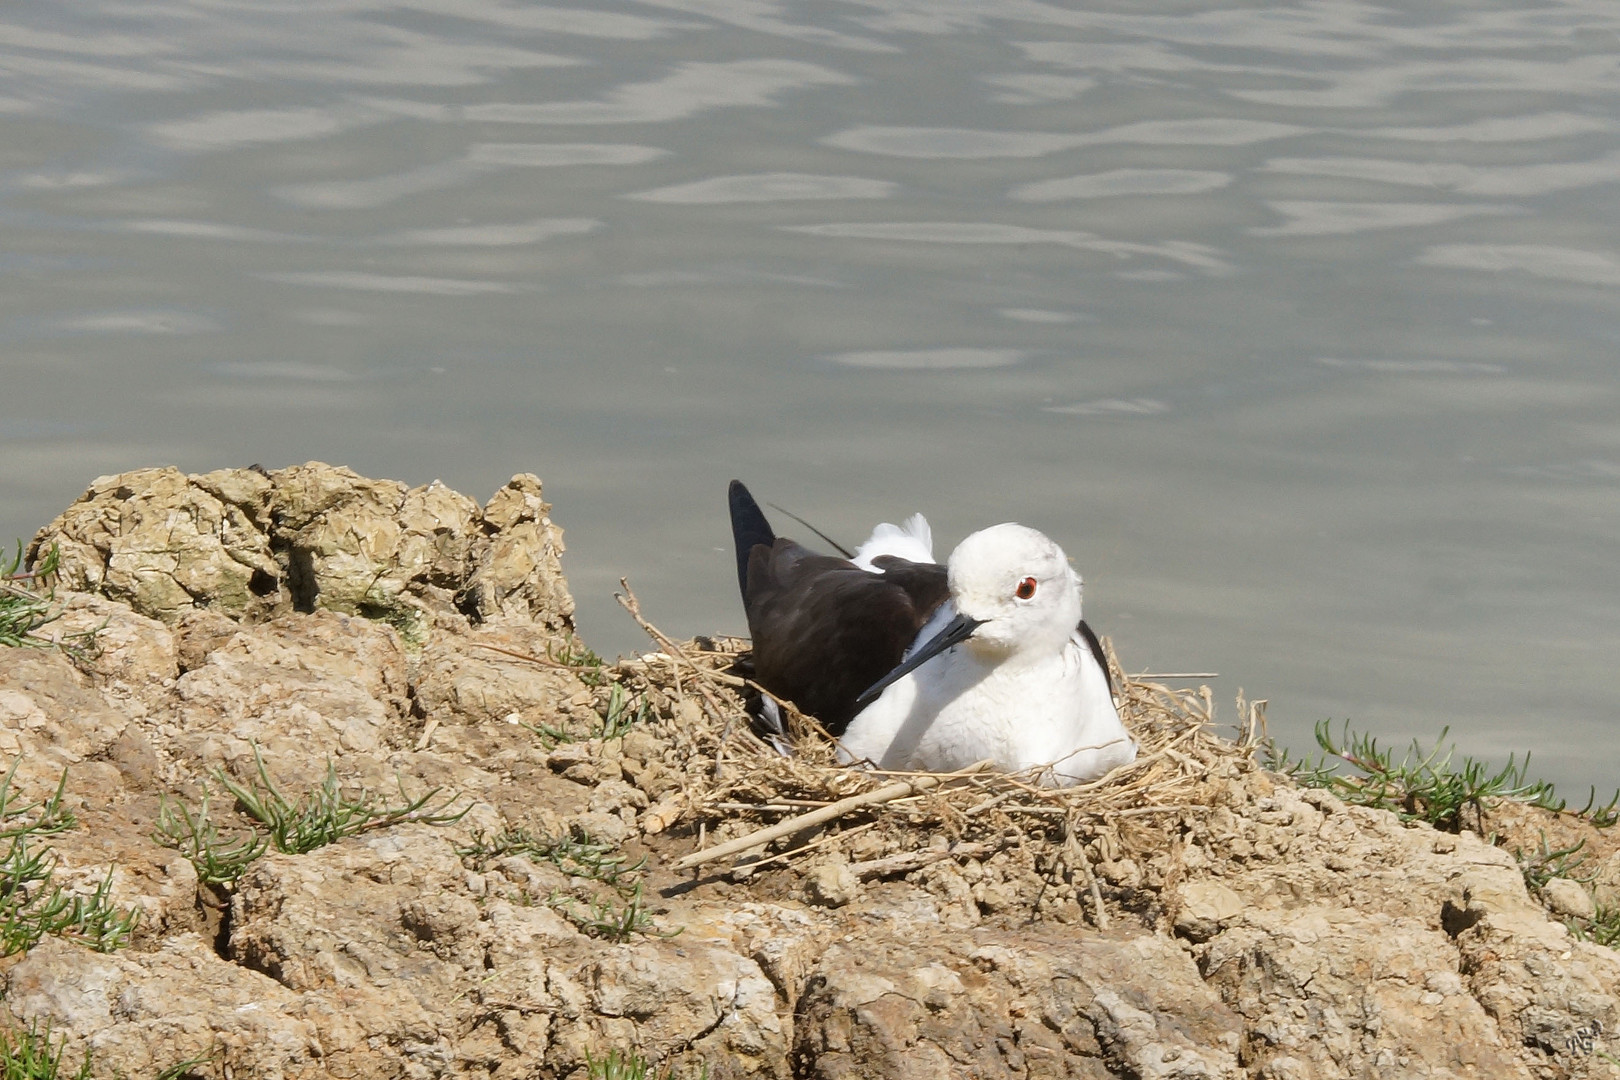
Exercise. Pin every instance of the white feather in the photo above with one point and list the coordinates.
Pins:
(913, 540)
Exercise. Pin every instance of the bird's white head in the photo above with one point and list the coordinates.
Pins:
(1020, 586)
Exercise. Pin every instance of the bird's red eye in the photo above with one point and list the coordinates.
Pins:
(1026, 588)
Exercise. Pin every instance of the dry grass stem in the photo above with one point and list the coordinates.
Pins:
(907, 861)
(543, 661)
(893, 823)
(833, 812)
(784, 856)
(1074, 853)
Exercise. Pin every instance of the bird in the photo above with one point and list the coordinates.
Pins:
(913, 665)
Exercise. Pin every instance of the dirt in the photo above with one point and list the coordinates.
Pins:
(1194, 916)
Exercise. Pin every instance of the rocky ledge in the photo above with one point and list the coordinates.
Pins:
(279, 650)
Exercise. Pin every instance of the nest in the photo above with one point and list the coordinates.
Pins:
(750, 808)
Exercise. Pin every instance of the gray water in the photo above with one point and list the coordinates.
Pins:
(1295, 324)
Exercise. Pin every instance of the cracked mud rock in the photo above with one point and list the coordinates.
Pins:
(1280, 934)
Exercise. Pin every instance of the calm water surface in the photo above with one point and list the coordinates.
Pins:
(1296, 324)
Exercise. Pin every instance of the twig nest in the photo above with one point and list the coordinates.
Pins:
(832, 884)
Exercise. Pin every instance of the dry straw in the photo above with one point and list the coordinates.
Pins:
(747, 796)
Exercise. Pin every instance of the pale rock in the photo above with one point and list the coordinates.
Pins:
(985, 1005)
(1606, 884)
(250, 543)
(52, 709)
(602, 827)
(1568, 898)
(831, 884)
(459, 681)
(620, 798)
(515, 566)
(1205, 907)
(154, 539)
(662, 814)
(1332, 989)
(134, 656)
(140, 1013)
(784, 941)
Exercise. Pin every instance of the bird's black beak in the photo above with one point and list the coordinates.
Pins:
(957, 630)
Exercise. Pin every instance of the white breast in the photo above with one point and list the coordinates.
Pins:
(956, 710)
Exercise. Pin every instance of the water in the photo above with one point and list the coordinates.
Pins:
(1295, 325)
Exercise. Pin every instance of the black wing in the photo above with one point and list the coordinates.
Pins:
(824, 629)
(1096, 648)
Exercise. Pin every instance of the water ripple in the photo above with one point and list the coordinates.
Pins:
(388, 283)
(1372, 87)
(1198, 256)
(1123, 182)
(1041, 315)
(769, 187)
(1112, 407)
(496, 235)
(1535, 127)
(1033, 88)
(918, 142)
(581, 22)
(1537, 260)
(1414, 367)
(1539, 179)
(1591, 469)
(244, 127)
(949, 359)
(479, 160)
(160, 321)
(206, 230)
(764, 17)
(293, 372)
(691, 89)
(1308, 218)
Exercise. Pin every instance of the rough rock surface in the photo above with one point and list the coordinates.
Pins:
(248, 542)
(1014, 1003)
(1277, 934)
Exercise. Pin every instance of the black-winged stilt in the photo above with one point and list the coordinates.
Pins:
(914, 665)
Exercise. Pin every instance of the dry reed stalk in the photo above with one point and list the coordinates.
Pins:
(628, 601)
(795, 718)
(988, 804)
(825, 814)
(783, 856)
(907, 861)
(1139, 810)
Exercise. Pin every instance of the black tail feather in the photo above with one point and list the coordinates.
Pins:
(748, 528)
(840, 548)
